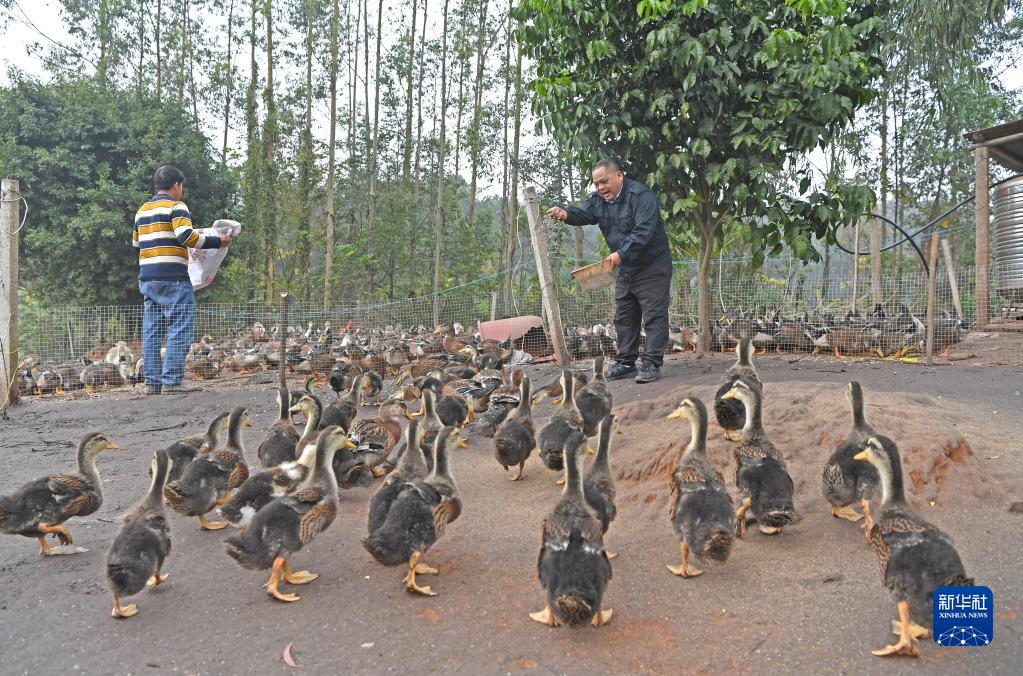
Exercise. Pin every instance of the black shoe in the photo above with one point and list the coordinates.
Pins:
(619, 370)
(153, 389)
(648, 373)
(178, 389)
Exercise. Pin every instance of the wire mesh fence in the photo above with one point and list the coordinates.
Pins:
(779, 291)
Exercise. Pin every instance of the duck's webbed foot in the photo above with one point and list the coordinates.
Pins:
(684, 570)
(410, 578)
(120, 611)
(546, 617)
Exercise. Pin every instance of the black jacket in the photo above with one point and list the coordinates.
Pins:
(631, 225)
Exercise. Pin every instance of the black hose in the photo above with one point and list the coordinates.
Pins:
(909, 237)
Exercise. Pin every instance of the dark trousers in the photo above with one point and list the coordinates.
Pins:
(641, 299)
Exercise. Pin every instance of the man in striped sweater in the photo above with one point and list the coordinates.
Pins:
(163, 234)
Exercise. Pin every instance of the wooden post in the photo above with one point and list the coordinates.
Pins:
(932, 279)
(493, 305)
(876, 295)
(543, 268)
(283, 338)
(856, 265)
(10, 223)
(982, 289)
(952, 284)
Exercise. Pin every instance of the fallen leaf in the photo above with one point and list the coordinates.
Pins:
(430, 615)
(288, 659)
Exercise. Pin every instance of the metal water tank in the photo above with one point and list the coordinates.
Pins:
(1007, 239)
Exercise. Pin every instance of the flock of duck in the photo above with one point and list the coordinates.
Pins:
(316, 350)
(292, 497)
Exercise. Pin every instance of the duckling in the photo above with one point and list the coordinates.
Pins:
(453, 410)
(915, 556)
(730, 413)
(341, 377)
(377, 436)
(502, 401)
(700, 510)
(279, 444)
(560, 427)
(342, 412)
(99, 375)
(48, 380)
(432, 424)
(844, 480)
(69, 376)
(516, 437)
(573, 567)
(291, 521)
(203, 368)
(594, 399)
(412, 465)
(206, 482)
(599, 481)
(308, 405)
(183, 451)
(372, 386)
(418, 517)
(26, 383)
(307, 388)
(42, 506)
(760, 473)
(260, 488)
(136, 557)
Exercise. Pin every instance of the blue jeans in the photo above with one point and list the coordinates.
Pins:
(169, 314)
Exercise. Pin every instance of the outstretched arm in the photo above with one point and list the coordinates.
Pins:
(584, 215)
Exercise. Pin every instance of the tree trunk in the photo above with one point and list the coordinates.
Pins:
(179, 78)
(374, 152)
(464, 10)
(230, 82)
(140, 75)
(269, 150)
(103, 33)
(159, 67)
(253, 153)
(513, 202)
(438, 213)
(507, 233)
(475, 135)
(353, 60)
(578, 233)
(191, 67)
(413, 221)
(702, 283)
(406, 160)
(328, 257)
(307, 160)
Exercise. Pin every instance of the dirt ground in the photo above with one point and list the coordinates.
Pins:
(807, 601)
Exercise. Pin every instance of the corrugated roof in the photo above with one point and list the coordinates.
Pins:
(1003, 141)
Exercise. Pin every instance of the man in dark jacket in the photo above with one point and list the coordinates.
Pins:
(629, 217)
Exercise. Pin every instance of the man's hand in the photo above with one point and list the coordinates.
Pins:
(614, 260)
(224, 241)
(557, 213)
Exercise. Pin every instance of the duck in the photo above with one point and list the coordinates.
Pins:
(730, 413)
(206, 482)
(916, 557)
(95, 376)
(411, 465)
(501, 402)
(262, 487)
(371, 387)
(343, 411)
(845, 481)
(432, 424)
(562, 424)
(289, 522)
(135, 559)
(376, 437)
(599, 481)
(594, 399)
(761, 476)
(454, 410)
(515, 439)
(279, 444)
(700, 511)
(41, 507)
(573, 566)
(418, 517)
(311, 408)
(183, 451)
(203, 368)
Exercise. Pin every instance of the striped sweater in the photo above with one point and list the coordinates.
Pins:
(163, 234)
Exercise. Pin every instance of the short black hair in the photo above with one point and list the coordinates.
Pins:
(166, 176)
(608, 164)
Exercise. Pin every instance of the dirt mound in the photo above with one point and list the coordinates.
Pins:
(806, 421)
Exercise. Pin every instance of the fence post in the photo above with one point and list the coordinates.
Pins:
(952, 278)
(543, 268)
(10, 223)
(932, 278)
(982, 290)
(856, 265)
(284, 341)
(493, 305)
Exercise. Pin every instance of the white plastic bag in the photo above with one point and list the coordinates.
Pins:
(204, 263)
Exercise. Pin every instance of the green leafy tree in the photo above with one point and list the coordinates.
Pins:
(707, 102)
(85, 155)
